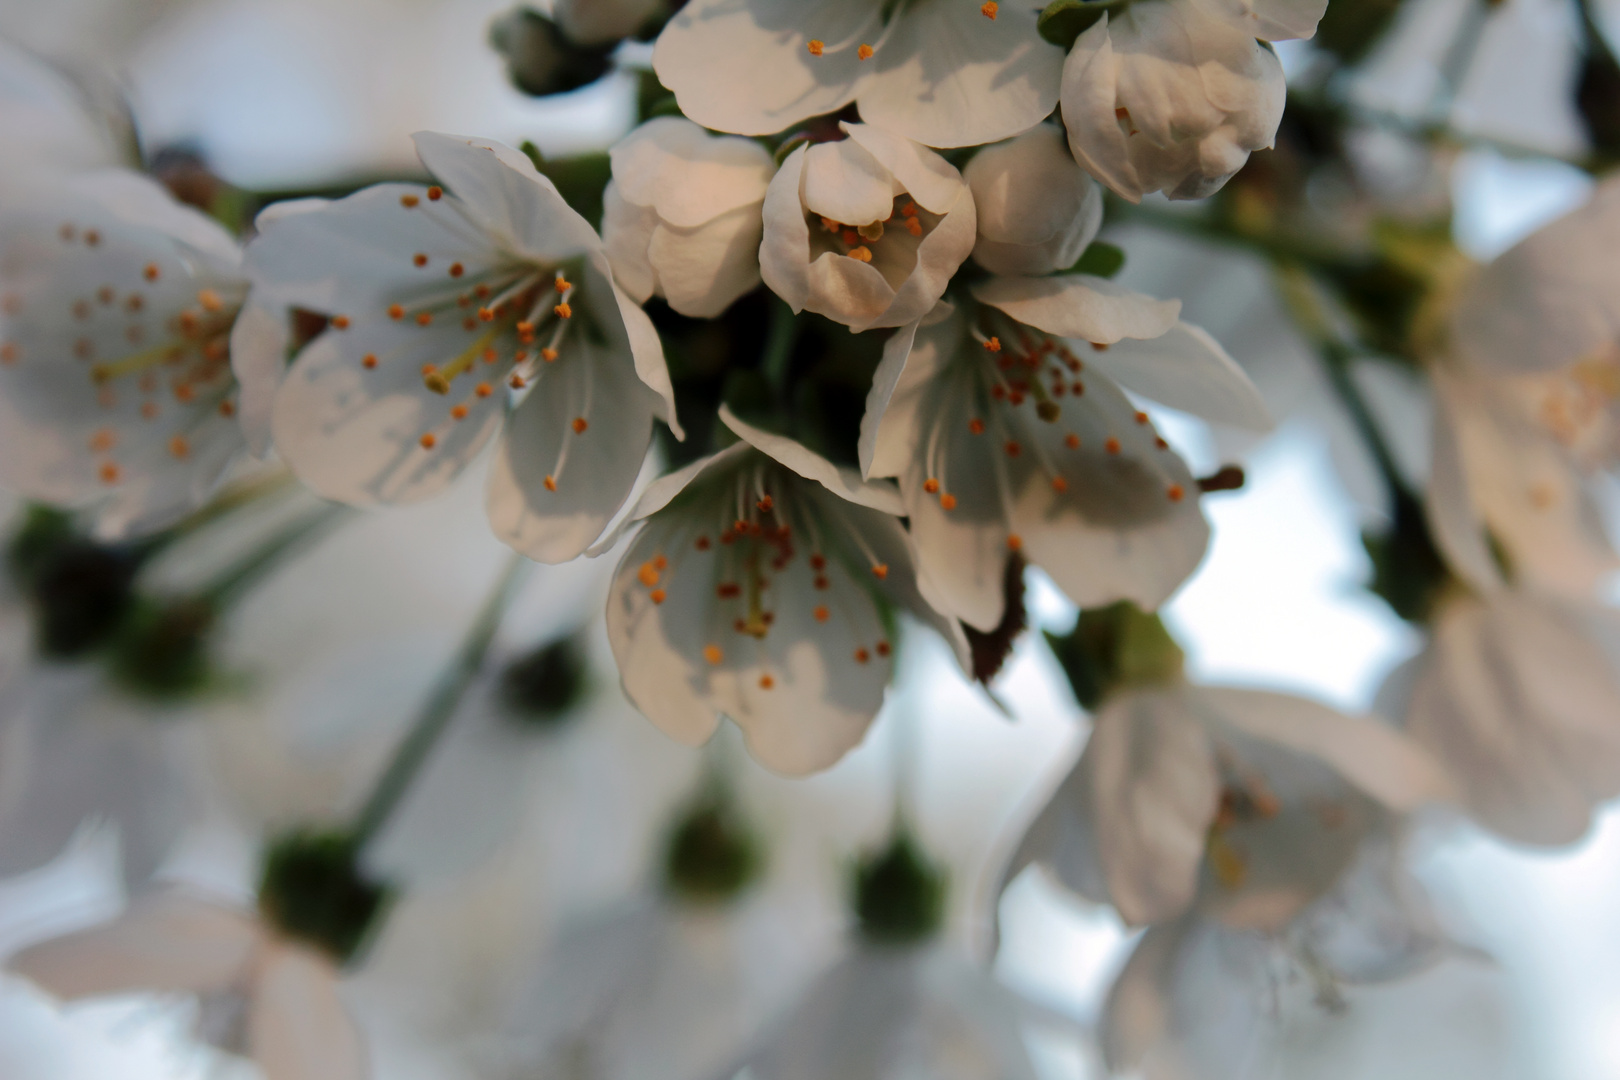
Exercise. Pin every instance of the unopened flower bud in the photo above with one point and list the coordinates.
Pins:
(1037, 209)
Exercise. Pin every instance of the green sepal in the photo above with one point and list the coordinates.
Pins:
(541, 688)
(899, 893)
(1100, 259)
(1116, 646)
(1064, 20)
(312, 888)
(1409, 573)
(580, 179)
(162, 649)
(710, 855)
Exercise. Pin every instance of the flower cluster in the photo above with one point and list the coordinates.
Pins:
(823, 355)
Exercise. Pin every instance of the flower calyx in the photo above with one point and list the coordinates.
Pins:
(899, 894)
(711, 855)
(312, 888)
(541, 688)
(1115, 647)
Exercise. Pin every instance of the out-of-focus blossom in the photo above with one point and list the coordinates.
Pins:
(756, 589)
(1527, 396)
(1197, 996)
(682, 216)
(1272, 20)
(52, 125)
(1518, 694)
(890, 1011)
(1037, 209)
(1008, 440)
(448, 311)
(1251, 803)
(942, 72)
(1170, 95)
(865, 230)
(262, 994)
(118, 319)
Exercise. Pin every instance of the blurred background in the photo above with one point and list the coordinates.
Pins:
(280, 95)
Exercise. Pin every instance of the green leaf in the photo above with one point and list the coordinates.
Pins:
(1101, 259)
(1064, 20)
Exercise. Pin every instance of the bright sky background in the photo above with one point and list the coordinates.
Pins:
(286, 92)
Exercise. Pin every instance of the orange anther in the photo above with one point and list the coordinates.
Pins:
(227, 408)
(914, 227)
(92, 238)
(423, 318)
(702, 543)
(880, 570)
(1112, 445)
(103, 440)
(551, 483)
(947, 502)
(1161, 444)
(179, 447)
(419, 259)
(712, 654)
(564, 311)
(816, 46)
(368, 361)
(562, 284)
(109, 471)
(516, 382)
(579, 425)
(883, 648)
(821, 614)
(396, 311)
(648, 574)
(1176, 493)
(435, 193)
(183, 393)
(989, 9)
(8, 353)
(1013, 449)
(765, 503)
(549, 355)
(151, 273)
(429, 441)
(211, 301)
(483, 389)
(994, 344)
(820, 582)
(976, 426)
(490, 356)
(456, 269)
(1014, 542)
(149, 410)
(766, 682)
(1141, 418)
(458, 411)
(657, 596)
(862, 656)
(864, 52)
(408, 201)
(1059, 484)
(931, 485)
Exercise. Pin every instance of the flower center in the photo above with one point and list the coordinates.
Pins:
(888, 246)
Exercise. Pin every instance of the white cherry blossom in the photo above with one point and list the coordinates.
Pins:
(1250, 803)
(263, 995)
(451, 309)
(117, 308)
(942, 72)
(753, 590)
(1528, 397)
(1009, 436)
(886, 1012)
(1169, 96)
(1518, 695)
(867, 230)
(682, 215)
(1037, 209)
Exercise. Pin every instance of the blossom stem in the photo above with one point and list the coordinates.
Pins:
(424, 734)
(241, 577)
(779, 341)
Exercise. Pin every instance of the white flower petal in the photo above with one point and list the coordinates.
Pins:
(170, 941)
(645, 345)
(1549, 301)
(1156, 788)
(1080, 306)
(947, 76)
(784, 253)
(1037, 209)
(928, 178)
(844, 483)
(259, 346)
(1186, 369)
(503, 192)
(1450, 507)
(1063, 838)
(139, 200)
(687, 176)
(298, 1028)
(1274, 20)
(354, 434)
(845, 182)
(1518, 700)
(1379, 760)
(712, 47)
(627, 230)
(592, 470)
(704, 271)
(891, 424)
